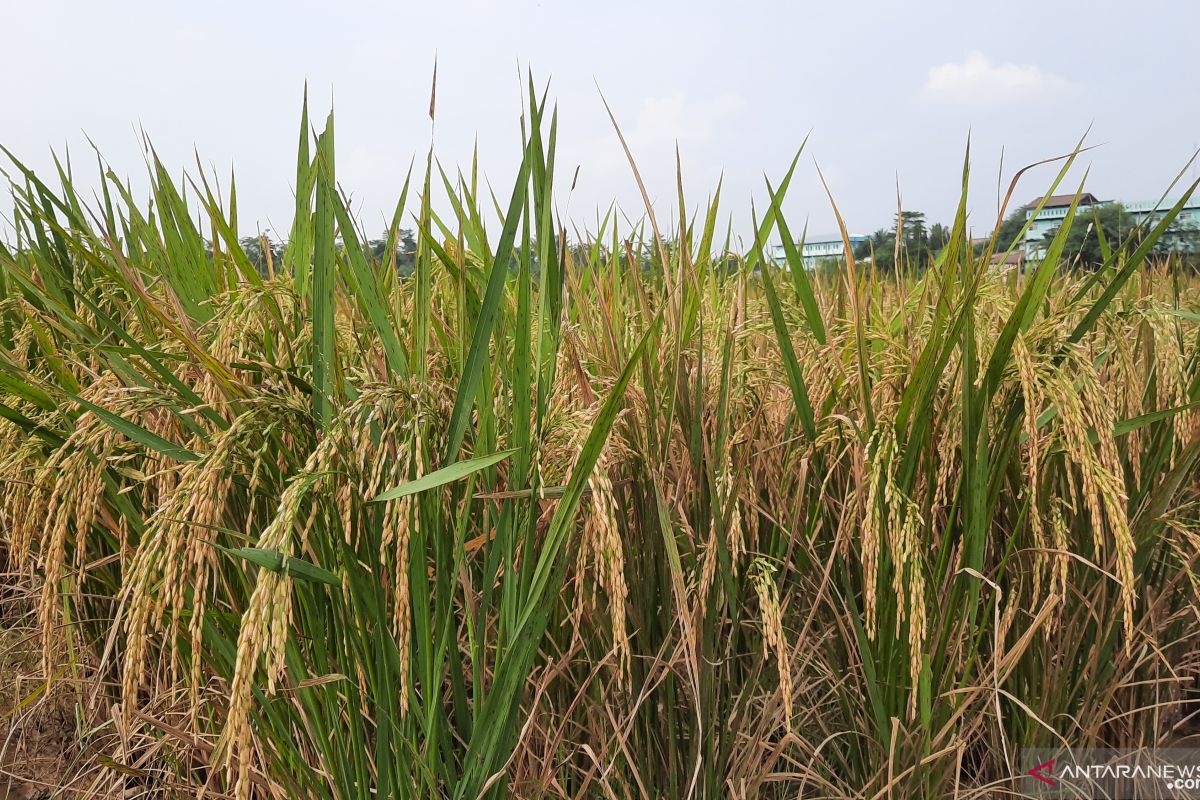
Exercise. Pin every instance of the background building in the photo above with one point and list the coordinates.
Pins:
(817, 249)
(1136, 213)
(1189, 215)
(1049, 218)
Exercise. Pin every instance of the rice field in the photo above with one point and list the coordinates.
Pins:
(625, 513)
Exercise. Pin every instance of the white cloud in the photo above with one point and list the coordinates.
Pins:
(978, 80)
(676, 118)
(660, 122)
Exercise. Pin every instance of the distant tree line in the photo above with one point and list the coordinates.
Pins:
(918, 242)
(266, 254)
(1109, 223)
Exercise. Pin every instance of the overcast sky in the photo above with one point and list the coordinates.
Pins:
(888, 90)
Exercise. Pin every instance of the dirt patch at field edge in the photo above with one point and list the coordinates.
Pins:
(38, 741)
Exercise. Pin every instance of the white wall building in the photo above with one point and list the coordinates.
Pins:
(817, 249)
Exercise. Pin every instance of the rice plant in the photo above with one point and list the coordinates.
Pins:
(629, 512)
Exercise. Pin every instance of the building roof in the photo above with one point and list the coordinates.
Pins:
(831, 237)
(1162, 206)
(1063, 200)
(1015, 257)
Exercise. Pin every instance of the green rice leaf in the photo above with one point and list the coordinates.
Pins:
(440, 477)
(277, 562)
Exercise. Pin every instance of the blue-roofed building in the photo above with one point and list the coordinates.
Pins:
(817, 249)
